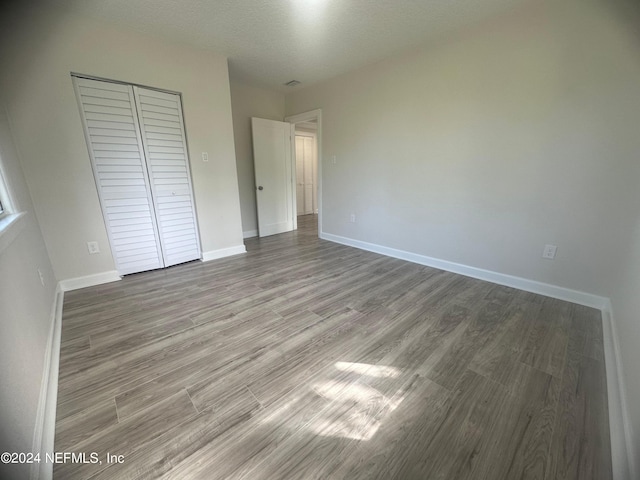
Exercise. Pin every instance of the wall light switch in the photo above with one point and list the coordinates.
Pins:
(549, 252)
(352, 218)
(205, 157)
(334, 159)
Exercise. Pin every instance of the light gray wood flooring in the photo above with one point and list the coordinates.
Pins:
(306, 359)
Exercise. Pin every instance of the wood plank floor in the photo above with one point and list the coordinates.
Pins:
(306, 359)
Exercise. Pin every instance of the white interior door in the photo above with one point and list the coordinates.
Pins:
(305, 173)
(274, 176)
(165, 145)
(309, 175)
(300, 175)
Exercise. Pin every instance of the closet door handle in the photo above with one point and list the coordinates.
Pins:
(260, 187)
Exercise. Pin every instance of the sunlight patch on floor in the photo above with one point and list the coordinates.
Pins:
(379, 371)
(354, 410)
(347, 407)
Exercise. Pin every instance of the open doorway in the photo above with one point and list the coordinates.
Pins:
(307, 129)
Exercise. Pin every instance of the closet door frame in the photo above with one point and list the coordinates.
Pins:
(130, 86)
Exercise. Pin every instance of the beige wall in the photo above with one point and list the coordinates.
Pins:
(538, 109)
(482, 149)
(25, 313)
(38, 51)
(247, 102)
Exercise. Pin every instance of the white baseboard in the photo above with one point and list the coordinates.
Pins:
(44, 433)
(223, 252)
(250, 234)
(527, 285)
(622, 451)
(89, 280)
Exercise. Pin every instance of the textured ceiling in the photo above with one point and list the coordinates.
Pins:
(270, 42)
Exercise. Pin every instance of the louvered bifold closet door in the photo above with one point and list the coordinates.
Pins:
(117, 156)
(165, 145)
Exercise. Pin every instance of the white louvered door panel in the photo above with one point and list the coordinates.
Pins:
(117, 156)
(165, 145)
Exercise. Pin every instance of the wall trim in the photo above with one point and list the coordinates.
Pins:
(250, 234)
(44, 433)
(520, 283)
(622, 451)
(89, 280)
(223, 252)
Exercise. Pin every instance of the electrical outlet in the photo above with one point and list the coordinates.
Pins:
(549, 252)
(41, 277)
(352, 218)
(205, 157)
(93, 248)
(334, 159)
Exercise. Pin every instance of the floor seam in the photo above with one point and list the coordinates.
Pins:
(115, 404)
(191, 400)
(255, 398)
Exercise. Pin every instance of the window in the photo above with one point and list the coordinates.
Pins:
(5, 206)
(11, 221)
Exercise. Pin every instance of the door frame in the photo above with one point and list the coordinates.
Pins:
(306, 117)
